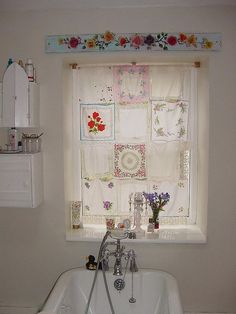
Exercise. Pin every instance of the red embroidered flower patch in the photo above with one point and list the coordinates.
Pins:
(95, 123)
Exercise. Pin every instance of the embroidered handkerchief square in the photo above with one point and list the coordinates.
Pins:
(164, 161)
(179, 200)
(169, 121)
(131, 84)
(132, 124)
(97, 160)
(97, 122)
(126, 190)
(99, 197)
(129, 161)
(95, 85)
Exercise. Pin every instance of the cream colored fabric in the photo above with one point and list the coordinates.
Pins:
(164, 161)
(95, 85)
(125, 189)
(179, 200)
(97, 161)
(132, 124)
(170, 83)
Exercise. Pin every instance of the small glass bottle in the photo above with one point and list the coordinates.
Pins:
(150, 227)
(13, 138)
(29, 69)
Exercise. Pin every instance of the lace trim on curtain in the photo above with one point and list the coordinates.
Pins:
(163, 220)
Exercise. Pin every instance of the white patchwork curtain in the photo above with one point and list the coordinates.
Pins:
(133, 132)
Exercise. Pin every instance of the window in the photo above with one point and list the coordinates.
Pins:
(134, 130)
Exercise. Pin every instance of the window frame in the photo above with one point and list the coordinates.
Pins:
(199, 185)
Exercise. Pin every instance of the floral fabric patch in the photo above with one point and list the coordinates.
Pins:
(99, 198)
(169, 121)
(178, 205)
(97, 122)
(129, 161)
(131, 84)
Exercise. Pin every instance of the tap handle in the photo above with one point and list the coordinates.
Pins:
(131, 253)
(105, 265)
(131, 235)
(133, 265)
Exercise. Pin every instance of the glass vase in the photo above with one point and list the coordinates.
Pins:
(155, 221)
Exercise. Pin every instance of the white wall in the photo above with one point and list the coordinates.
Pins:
(33, 250)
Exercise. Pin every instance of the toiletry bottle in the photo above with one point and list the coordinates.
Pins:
(20, 62)
(150, 227)
(20, 146)
(29, 69)
(13, 138)
(10, 61)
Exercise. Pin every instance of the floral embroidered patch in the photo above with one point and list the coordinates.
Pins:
(107, 205)
(99, 198)
(131, 84)
(179, 202)
(129, 161)
(169, 121)
(97, 122)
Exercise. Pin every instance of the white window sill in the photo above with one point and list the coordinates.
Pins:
(166, 234)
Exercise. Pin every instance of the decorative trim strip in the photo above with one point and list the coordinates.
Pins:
(110, 41)
(100, 220)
